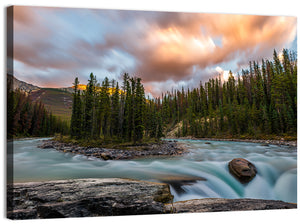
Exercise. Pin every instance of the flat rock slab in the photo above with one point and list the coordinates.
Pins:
(86, 198)
(113, 196)
(221, 204)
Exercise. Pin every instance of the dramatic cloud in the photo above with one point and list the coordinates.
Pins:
(167, 50)
(176, 49)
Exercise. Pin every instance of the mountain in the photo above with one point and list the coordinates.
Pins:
(71, 89)
(23, 86)
(56, 100)
(82, 87)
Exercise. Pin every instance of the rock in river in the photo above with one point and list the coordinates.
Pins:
(242, 169)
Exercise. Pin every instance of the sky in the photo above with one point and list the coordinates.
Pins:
(168, 50)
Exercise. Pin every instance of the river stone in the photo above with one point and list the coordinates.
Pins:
(86, 198)
(178, 181)
(242, 169)
(105, 156)
(222, 204)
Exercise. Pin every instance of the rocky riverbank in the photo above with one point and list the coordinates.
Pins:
(113, 196)
(86, 198)
(164, 148)
(222, 204)
(261, 141)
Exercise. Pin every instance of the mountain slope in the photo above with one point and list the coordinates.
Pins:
(56, 100)
(23, 86)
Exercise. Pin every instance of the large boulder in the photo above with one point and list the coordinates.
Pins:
(242, 169)
(86, 198)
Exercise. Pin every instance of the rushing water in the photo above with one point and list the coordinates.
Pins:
(276, 178)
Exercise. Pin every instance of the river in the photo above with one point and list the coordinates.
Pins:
(276, 178)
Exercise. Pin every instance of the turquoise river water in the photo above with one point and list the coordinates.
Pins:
(276, 178)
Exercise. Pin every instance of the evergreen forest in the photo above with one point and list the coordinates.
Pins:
(261, 102)
(26, 118)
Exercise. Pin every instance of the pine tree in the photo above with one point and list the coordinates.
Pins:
(89, 106)
(106, 105)
(76, 119)
(115, 111)
(139, 105)
(159, 132)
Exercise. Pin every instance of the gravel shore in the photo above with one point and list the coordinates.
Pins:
(261, 141)
(164, 148)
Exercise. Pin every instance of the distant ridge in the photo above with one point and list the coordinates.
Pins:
(82, 87)
(23, 86)
(56, 100)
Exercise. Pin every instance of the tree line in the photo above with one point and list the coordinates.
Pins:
(26, 118)
(260, 101)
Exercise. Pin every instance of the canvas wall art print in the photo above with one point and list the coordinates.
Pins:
(123, 112)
